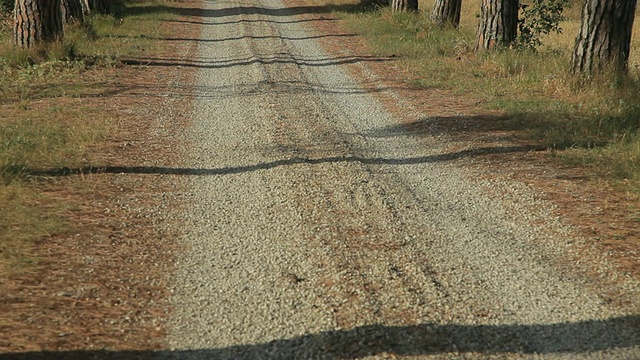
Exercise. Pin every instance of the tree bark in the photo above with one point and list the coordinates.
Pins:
(100, 6)
(446, 12)
(404, 5)
(86, 9)
(498, 24)
(604, 39)
(36, 21)
(72, 11)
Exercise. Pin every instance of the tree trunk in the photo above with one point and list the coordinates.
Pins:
(72, 11)
(86, 9)
(100, 6)
(446, 12)
(36, 21)
(404, 5)
(604, 39)
(498, 24)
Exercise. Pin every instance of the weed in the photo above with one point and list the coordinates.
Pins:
(538, 18)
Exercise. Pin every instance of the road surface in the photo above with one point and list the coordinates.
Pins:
(318, 226)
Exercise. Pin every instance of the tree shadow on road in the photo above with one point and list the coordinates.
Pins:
(252, 37)
(278, 163)
(363, 6)
(264, 60)
(521, 128)
(425, 339)
(250, 21)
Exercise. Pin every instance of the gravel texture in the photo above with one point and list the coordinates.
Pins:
(318, 227)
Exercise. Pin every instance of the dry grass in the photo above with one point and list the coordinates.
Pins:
(591, 123)
(40, 131)
(50, 118)
(94, 276)
(24, 219)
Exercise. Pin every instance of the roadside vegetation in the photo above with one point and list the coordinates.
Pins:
(587, 121)
(51, 116)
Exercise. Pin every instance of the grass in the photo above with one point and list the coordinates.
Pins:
(48, 121)
(24, 221)
(593, 123)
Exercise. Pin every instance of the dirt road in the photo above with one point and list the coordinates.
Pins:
(319, 226)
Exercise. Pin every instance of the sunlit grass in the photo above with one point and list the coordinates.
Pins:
(44, 123)
(594, 123)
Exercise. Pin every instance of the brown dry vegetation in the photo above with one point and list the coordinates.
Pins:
(84, 256)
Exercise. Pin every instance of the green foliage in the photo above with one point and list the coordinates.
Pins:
(539, 18)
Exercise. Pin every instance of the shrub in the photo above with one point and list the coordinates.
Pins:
(539, 18)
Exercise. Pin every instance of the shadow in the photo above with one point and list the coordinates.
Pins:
(242, 38)
(203, 91)
(522, 128)
(558, 130)
(538, 339)
(286, 162)
(225, 12)
(449, 125)
(222, 64)
(245, 21)
(363, 6)
(236, 90)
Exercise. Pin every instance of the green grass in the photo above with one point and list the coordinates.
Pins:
(44, 122)
(56, 137)
(589, 123)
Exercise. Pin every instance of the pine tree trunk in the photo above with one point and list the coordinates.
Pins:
(72, 11)
(86, 8)
(36, 21)
(446, 12)
(404, 5)
(100, 6)
(498, 24)
(604, 39)
(51, 20)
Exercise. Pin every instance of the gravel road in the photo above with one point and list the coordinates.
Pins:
(319, 227)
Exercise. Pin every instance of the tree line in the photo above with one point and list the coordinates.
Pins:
(603, 41)
(37, 21)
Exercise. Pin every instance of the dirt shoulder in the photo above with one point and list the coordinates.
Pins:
(102, 283)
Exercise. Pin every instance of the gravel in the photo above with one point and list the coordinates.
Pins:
(318, 227)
